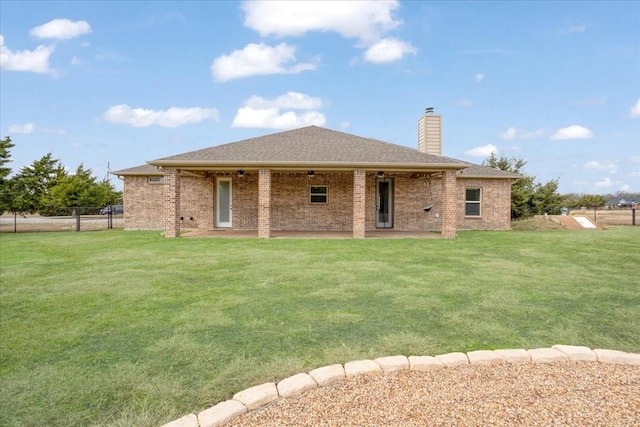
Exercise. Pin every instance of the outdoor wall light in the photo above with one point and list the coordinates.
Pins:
(311, 173)
(240, 173)
(380, 174)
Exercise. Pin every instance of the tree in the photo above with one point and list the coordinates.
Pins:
(522, 191)
(546, 198)
(527, 197)
(78, 190)
(33, 183)
(5, 185)
(591, 201)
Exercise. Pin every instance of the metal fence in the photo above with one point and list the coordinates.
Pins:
(611, 216)
(79, 218)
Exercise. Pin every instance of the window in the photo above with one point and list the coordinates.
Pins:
(472, 202)
(318, 194)
(155, 180)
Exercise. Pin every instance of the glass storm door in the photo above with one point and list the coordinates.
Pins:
(223, 211)
(384, 202)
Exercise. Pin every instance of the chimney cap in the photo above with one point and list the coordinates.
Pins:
(428, 110)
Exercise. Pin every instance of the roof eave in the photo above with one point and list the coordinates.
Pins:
(248, 165)
(514, 178)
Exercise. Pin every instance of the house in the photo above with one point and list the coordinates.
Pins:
(315, 179)
(623, 202)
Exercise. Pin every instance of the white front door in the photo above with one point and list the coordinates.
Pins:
(223, 205)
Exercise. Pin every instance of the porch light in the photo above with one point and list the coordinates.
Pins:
(311, 173)
(240, 173)
(380, 174)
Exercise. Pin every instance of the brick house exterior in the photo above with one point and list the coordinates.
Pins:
(314, 179)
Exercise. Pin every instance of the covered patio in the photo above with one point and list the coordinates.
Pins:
(283, 234)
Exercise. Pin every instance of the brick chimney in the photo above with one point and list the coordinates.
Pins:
(430, 133)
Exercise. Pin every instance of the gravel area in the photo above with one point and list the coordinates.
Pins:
(559, 394)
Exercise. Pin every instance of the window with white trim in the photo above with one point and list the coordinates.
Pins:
(155, 180)
(472, 202)
(318, 194)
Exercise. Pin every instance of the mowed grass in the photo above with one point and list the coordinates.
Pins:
(122, 328)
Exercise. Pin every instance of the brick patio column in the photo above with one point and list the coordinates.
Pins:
(449, 203)
(359, 203)
(171, 203)
(264, 203)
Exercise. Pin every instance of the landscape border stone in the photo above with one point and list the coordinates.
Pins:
(257, 396)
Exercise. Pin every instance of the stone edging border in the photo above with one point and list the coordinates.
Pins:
(254, 397)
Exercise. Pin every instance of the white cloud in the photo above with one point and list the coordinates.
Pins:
(171, 118)
(572, 132)
(25, 128)
(366, 20)
(605, 183)
(606, 165)
(54, 131)
(464, 103)
(634, 112)
(62, 29)
(478, 78)
(270, 118)
(345, 124)
(388, 50)
(36, 61)
(258, 59)
(290, 100)
(574, 29)
(513, 133)
(483, 151)
(266, 114)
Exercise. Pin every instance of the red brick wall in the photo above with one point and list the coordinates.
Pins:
(171, 203)
(495, 205)
(291, 209)
(144, 203)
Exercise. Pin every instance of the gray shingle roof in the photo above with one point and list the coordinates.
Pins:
(142, 170)
(314, 147)
(478, 171)
(311, 145)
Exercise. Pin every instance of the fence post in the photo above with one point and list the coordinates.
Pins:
(633, 215)
(110, 217)
(76, 212)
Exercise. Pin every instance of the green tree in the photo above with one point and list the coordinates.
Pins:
(527, 197)
(80, 189)
(546, 198)
(33, 183)
(522, 191)
(5, 183)
(591, 201)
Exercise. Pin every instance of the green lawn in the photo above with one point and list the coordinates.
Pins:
(127, 328)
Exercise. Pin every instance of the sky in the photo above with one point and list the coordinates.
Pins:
(112, 84)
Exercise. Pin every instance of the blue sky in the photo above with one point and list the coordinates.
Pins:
(120, 83)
